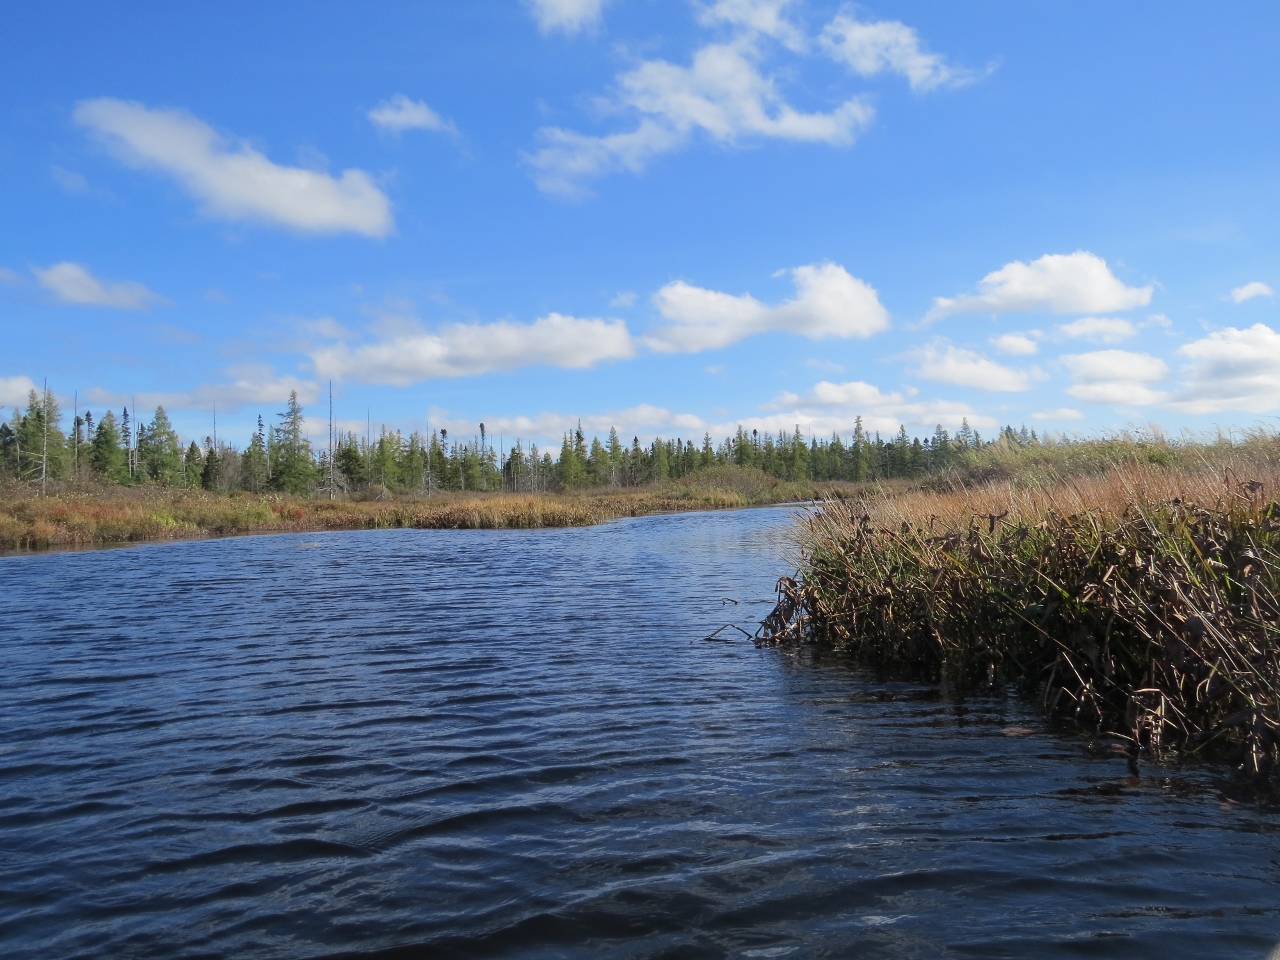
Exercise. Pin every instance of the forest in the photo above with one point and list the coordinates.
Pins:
(124, 449)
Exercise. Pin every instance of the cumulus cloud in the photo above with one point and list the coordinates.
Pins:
(761, 17)
(232, 180)
(15, 390)
(1060, 413)
(1017, 344)
(400, 113)
(643, 420)
(723, 94)
(410, 355)
(829, 302)
(1098, 329)
(947, 363)
(1231, 369)
(248, 385)
(832, 407)
(888, 46)
(1079, 282)
(73, 283)
(570, 16)
(1249, 291)
(1116, 376)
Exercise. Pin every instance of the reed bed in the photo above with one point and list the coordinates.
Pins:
(1138, 601)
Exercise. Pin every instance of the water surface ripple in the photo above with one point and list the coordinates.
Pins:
(432, 743)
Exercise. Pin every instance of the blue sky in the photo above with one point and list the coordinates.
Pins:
(671, 217)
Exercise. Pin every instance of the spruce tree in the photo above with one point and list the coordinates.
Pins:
(106, 456)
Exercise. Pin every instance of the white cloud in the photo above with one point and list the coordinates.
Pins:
(644, 420)
(70, 181)
(1232, 369)
(1061, 413)
(1017, 344)
(832, 407)
(829, 302)
(764, 17)
(625, 298)
(72, 283)
(400, 113)
(1098, 329)
(15, 390)
(249, 385)
(722, 94)
(1079, 282)
(571, 16)
(947, 363)
(888, 46)
(233, 181)
(409, 355)
(1158, 320)
(8, 275)
(1249, 291)
(1116, 376)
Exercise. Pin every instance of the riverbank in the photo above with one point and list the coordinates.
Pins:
(70, 516)
(1136, 600)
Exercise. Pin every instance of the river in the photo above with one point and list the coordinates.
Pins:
(515, 744)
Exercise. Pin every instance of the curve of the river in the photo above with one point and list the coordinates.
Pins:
(475, 744)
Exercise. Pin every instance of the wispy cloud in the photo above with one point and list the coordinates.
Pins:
(829, 302)
(1016, 344)
(232, 180)
(567, 16)
(73, 283)
(1250, 290)
(722, 94)
(399, 114)
(1079, 282)
(1098, 329)
(411, 354)
(889, 46)
(1059, 413)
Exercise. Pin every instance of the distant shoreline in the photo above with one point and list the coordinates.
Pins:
(104, 517)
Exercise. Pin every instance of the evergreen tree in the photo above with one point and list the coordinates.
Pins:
(292, 469)
(209, 471)
(159, 452)
(253, 462)
(106, 454)
(193, 465)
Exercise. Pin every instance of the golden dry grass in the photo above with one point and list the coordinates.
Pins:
(106, 515)
(1140, 601)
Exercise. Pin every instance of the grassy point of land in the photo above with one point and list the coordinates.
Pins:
(1133, 589)
(84, 515)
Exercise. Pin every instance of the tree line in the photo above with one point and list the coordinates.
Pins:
(122, 449)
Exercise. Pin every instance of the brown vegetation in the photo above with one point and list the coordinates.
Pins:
(1136, 597)
(88, 515)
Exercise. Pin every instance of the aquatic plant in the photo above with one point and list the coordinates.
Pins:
(1139, 601)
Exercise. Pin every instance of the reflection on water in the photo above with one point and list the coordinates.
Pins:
(513, 744)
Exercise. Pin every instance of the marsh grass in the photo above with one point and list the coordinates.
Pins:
(105, 515)
(1139, 599)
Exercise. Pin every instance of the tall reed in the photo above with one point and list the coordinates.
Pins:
(1138, 601)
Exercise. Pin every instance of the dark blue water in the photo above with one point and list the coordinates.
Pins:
(474, 744)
